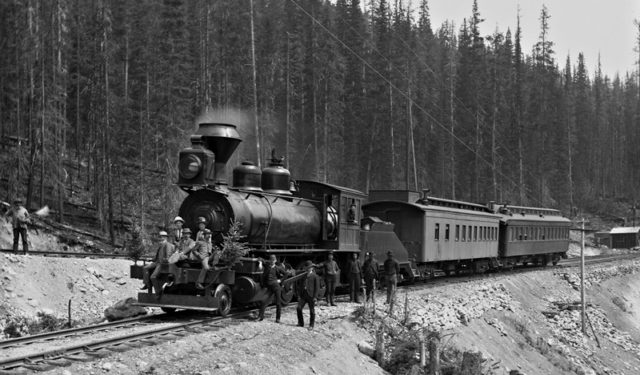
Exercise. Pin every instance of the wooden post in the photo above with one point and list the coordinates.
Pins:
(434, 354)
(584, 327)
(406, 306)
(373, 296)
(69, 310)
(423, 352)
(380, 346)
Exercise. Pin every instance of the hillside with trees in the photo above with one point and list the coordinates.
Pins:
(97, 98)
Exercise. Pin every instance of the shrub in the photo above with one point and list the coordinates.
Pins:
(232, 246)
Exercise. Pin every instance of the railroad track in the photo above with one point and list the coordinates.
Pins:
(64, 254)
(42, 360)
(441, 279)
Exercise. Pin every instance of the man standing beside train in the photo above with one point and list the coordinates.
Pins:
(370, 273)
(307, 290)
(355, 275)
(391, 271)
(331, 270)
(271, 278)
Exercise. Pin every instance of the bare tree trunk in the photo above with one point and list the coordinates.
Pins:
(392, 140)
(255, 88)
(288, 107)
(325, 136)
(452, 164)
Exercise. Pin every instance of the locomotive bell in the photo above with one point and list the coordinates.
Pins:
(222, 139)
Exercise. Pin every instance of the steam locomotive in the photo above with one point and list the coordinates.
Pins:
(299, 220)
(295, 220)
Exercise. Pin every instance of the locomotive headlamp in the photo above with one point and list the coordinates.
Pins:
(190, 166)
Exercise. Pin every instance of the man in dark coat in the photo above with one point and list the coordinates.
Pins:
(355, 274)
(271, 279)
(330, 271)
(391, 271)
(370, 273)
(307, 290)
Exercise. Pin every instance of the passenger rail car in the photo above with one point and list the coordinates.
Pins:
(440, 234)
(531, 235)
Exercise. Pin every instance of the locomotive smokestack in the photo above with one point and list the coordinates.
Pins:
(222, 139)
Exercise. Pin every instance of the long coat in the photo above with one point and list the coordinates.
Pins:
(310, 283)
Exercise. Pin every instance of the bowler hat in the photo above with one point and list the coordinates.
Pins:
(389, 253)
(186, 231)
(162, 233)
(206, 231)
(308, 264)
(202, 220)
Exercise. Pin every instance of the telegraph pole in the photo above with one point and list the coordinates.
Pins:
(584, 327)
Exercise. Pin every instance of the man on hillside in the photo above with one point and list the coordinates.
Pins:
(307, 290)
(20, 219)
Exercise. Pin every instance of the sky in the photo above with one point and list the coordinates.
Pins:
(592, 27)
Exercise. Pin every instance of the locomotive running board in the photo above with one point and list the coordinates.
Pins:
(177, 301)
(174, 306)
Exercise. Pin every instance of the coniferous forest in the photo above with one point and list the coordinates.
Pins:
(97, 97)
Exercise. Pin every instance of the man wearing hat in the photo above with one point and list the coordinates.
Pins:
(20, 219)
(185, 248)
(391, 271)
(370, 273)
(176, 233)
(202, 225)
(271, 279)
(162, 255)
(307, 290)
(203, 250)
(331, 272)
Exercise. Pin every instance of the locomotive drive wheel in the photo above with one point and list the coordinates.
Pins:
(222, 295)
(286, 295)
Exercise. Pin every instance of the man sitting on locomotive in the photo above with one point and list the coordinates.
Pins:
(203, 251)
(202, 225)
(162, 255)
(176, 233)
(184, 255)
(271, 279)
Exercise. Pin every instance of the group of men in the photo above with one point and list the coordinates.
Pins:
(180, 251)
(308, 286)
(367, 271)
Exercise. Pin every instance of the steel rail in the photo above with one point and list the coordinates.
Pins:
(93, 346)
(73, 254)
(47, 336)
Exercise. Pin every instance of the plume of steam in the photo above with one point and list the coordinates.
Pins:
(44, 211)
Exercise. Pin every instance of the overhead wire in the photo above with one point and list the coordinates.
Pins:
(404, 94)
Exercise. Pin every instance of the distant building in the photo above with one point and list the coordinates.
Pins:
(625, 237)
(603, 238)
